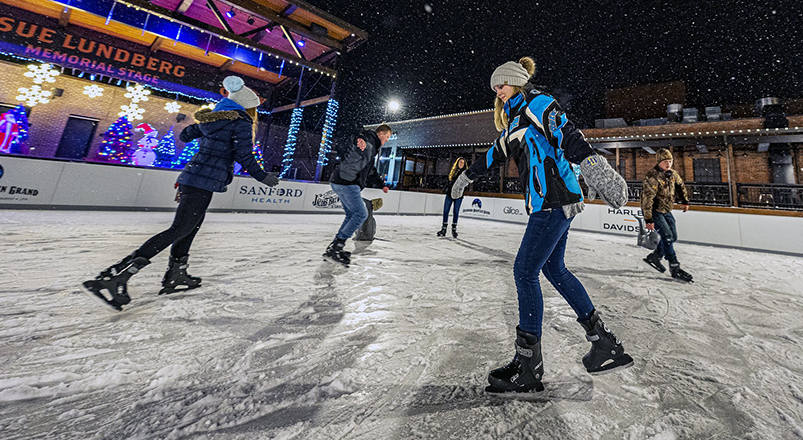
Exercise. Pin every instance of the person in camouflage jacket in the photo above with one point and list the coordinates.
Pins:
(661, 187)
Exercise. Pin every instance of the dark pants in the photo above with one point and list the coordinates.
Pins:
(189, 216)
(665, 225)
(542, 249)
(448, 204)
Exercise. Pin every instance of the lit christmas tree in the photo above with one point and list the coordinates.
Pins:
(166, 151)
(116, 143)
(186, 154)
(21, 118)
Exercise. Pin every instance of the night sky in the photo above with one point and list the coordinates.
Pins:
(437, 57)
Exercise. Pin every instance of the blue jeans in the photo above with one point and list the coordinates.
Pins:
(542, 249)
(665, 225)
(356, 212)
(448, 204)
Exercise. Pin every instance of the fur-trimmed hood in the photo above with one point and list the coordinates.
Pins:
(205, 115)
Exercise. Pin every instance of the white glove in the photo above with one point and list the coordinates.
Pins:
(460, 185)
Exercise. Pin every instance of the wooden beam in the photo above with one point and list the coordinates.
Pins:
(219, 16)
(185, 4)
(732, 176)
(64, 18)
(226, 66)
(156, 45)
(306, 103)
(293, 26)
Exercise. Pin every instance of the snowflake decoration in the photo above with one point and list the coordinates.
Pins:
(42, 73)
(172, 107)
(132, 111)
(137, 93)
(93, 91)
(210, 106)
(34, 95)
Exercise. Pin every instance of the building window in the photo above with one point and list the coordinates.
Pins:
(707, 170)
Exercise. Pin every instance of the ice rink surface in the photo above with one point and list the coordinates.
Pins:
(280, 345)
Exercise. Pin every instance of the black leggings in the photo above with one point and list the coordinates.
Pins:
(189, 216)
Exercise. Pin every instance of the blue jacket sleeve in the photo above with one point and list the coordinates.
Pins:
(560, 132)
(496, 154)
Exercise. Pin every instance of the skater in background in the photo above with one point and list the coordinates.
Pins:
(459, 167)
(538, 136)
(226, 135)
(351, 175)
(661, 185)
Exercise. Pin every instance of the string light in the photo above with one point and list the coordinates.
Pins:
(93, 91)
(326, 135)
(290, 145)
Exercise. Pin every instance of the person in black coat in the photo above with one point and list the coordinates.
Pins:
(226, 135)
(459, 167)
(354, 173)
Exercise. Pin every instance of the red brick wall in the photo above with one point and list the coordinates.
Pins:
(47, 121)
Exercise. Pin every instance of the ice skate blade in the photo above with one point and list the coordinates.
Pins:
(538, 387)
(92, 288)
(654, 266)
(624, 362)
(181, 288)
(325, 258)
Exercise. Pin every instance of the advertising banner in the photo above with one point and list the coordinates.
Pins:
(28, 182)
(252, 195)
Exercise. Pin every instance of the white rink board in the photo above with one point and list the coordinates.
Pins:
(65, 184)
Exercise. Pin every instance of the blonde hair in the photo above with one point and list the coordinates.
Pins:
(252, 112)
(453, 172)
(500, 118)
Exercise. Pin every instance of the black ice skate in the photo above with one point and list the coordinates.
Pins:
(525, 372)
(442, 232)
(607, 354)
(679, 274)
(110, 285)
(176, 278)
(336, 254)
(454, 230)
(654, 260)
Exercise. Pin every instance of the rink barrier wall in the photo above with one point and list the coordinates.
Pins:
(52, 184)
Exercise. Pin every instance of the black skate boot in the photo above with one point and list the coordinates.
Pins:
(525, 372)
(176, 278)
(654, 260)
(678, 273)
(442, 232)
(607, 354)
(454, 230)
(336, 254)
(110, 285)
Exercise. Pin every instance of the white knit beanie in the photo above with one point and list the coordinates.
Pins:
(239, 93)
(511, 73)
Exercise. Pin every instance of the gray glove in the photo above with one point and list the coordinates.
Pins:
(603, 181)
(459, 186)
(271, 180)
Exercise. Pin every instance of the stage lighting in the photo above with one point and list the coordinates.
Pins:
(301, 43)
(231, 13)
(250, 20)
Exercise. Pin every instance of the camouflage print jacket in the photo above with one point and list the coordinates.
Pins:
(658, 192)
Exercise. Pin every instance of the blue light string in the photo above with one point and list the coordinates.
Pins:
(290, 145)
(328, 129)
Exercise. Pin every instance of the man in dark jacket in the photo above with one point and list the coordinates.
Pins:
(661, 185)
(354, 173)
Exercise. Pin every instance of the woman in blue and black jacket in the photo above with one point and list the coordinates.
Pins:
(544, 143)
(226, 135)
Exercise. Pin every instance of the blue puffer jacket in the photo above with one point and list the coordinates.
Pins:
(226, 136)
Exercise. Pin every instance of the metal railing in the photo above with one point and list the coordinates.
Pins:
(770, 196)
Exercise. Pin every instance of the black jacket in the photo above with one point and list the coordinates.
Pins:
(357, 166)
(225, 137)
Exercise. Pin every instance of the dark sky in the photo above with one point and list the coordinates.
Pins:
(436, 57)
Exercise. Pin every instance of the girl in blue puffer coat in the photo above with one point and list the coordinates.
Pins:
(226, 135)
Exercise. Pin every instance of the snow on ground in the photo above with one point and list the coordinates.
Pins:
(280, 345)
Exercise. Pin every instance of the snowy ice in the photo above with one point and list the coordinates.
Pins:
(278, 344)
